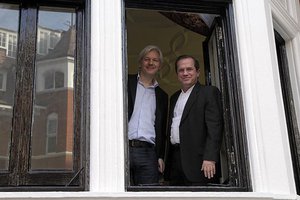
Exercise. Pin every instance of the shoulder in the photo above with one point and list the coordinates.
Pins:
(209, 89)
(161, 92)
(132, 79)
(132, 76)
(209, 92)
(176, 94)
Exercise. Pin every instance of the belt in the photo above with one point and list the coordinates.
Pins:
(176, 146)
(138, 144)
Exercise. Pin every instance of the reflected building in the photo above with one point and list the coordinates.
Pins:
(52, 127)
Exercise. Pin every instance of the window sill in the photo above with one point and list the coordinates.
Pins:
(148, 195)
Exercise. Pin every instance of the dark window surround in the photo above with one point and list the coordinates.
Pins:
(239, 174)
(19, 177)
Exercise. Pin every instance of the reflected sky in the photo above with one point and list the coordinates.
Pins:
(61, 21)
(9, 19)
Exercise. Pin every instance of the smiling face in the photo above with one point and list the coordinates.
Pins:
(187, 73)
(150, 64)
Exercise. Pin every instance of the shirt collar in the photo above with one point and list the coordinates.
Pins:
(154, 85)
(189, 90)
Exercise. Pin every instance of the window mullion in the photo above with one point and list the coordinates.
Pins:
(23, 109)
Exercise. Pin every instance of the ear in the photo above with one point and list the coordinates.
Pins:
(198, 73)
(160, 66)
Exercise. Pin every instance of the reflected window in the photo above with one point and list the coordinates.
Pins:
(43, 43)
(2, 39)
(54, 80)
(52, 133)
(54, 38)
(12, 46)
(2, 81)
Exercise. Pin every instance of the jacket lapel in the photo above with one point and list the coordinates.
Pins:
(173, 103)
(192, 98)
(133, 87)
(158, 99)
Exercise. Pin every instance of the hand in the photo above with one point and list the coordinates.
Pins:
(161, 165)
(209, 168)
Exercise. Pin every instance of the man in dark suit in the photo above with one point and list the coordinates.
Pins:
(147, 115)
(195, 128)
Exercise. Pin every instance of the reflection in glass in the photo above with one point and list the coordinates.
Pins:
(8, 49)
(52, 134)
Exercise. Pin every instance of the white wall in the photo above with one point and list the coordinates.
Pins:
(107, 139)
(270, 159)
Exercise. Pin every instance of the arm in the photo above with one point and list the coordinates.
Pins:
(214, 125)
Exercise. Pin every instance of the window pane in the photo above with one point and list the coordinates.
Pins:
(49, 84)
(51, 144)
(1, 81)
(2, 39)
(52, 135)
(59, 79)
(8, 27)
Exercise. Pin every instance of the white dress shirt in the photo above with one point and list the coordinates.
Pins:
(178, 110)
(141, 126)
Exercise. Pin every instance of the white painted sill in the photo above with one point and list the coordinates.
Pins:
(145, 195)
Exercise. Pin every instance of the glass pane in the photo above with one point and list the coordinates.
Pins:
(8, 29)
(51, 144)
(52, 134)
(59, 79)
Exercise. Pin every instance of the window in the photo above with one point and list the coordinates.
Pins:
(54, 80)
(43, 43)
(12, 46)
(51, 133)
(205, 30)
(7, 80)
(44, 131)
(2, 81)
(2, 39)
(54, 38)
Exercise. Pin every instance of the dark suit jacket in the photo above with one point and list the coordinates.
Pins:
(200, 129)
(160, 113)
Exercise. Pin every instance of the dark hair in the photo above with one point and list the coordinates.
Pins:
(196, 62)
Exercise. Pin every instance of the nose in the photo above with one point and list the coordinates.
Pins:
(185, 72)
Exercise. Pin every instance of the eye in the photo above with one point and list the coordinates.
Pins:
(189, 69)
(180, 70)
(155, 60)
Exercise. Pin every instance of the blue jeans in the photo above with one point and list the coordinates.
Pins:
(143, 166)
